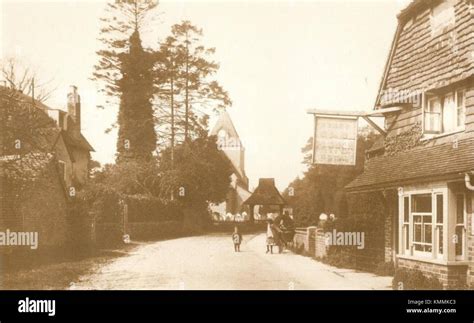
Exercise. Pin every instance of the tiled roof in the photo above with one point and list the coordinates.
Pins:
(421, 61)
(421, 164)
(265, 194)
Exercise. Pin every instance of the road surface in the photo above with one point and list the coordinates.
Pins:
(209, 262)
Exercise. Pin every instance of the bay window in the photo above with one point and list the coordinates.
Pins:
(433, 222)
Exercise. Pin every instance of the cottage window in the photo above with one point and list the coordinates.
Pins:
(445, 114)
(433, 224)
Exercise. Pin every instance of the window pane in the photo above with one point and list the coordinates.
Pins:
(440, 239)
(407, 242)
(428, 234)
(460, 240)
(417, 233)
(459, 209)
(449, 113)
(433, 115)
(439, 209)
(421, 203)
(406, 209)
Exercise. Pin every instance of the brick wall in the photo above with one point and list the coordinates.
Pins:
(311, 240)
(452, 277)
(40, 206)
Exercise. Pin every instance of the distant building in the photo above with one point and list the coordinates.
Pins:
(267, 198)
(425, 164)
(38, 183)
(229, 143)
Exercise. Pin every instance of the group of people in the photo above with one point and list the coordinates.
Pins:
(280, 231)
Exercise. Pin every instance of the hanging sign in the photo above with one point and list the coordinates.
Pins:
(335, 140)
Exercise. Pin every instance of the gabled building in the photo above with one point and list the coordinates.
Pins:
(228, 141)
(425, 164)
(41, 176)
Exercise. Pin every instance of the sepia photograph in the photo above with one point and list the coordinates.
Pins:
(235, 145)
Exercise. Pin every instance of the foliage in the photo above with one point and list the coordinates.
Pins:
(136, 135)
(121, 18)
(403, 141)
(385, 269)
(414, 279)
(187, 93)
(198, 175)
(321, 190)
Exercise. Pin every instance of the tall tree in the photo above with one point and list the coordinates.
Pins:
(196, 94)
(120, 20)
(125, 74)
(136, 135)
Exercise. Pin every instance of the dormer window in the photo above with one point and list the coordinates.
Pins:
(445, 113)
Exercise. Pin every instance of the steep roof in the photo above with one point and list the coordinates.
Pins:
(224, 122)
(420, 60)
(70, 139)
(266, 194)
(417, 165)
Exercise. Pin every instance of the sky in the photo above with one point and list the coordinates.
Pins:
(277, 60)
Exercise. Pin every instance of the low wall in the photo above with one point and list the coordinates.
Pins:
(310, 241)
(452, 277)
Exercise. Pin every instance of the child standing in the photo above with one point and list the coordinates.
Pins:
(237, 239)
(270, 238)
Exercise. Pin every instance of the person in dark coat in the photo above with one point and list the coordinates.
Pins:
(237, 239)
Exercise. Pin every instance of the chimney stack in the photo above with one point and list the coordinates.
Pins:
(74, 107)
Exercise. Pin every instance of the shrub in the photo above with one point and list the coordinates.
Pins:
(414, 279)
(385, 269)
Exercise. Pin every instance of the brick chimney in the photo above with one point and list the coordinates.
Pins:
(74, 108)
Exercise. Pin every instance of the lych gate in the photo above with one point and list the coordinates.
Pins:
(265, 194)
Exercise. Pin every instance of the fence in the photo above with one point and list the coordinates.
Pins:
(311, 241)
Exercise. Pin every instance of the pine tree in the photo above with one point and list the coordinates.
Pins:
(121, 18)
(189, 72)
(136, 135)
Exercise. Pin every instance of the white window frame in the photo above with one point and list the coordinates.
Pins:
(463, 225)
(443, 116)
(423, 231)
(410, 251)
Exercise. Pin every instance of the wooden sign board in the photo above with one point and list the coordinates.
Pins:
(335, 140)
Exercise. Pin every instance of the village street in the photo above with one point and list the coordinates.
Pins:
(209, 262)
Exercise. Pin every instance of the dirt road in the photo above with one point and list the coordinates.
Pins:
(209, 262)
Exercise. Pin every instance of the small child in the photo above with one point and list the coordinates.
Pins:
(237, 239)
(270, 238)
